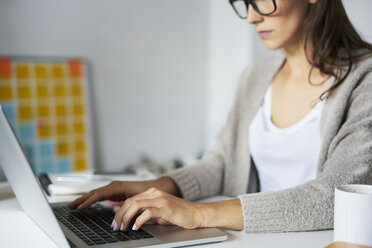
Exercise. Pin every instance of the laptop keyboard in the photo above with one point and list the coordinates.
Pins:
(93, 225)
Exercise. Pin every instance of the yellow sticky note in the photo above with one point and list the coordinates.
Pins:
(62, 149)
(43, 111)
(40, 70)
(22, 71)
(79, 127)
(80, 146)
(58, 70)
(60, 110)
(44, 129)
(61, 129)
(24, 92)
(80, 165)
(24, 113)
(78, 109)
(59, 91)
(6, 93)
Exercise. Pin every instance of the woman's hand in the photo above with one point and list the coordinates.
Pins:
(115, 191)
(164, 208)
(122, 190)
(158, 206)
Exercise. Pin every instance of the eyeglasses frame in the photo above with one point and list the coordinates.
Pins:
(247, 2)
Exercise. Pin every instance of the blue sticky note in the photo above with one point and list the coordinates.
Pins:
(9, 110)
(27, 132)
(46, 167)
(10, 113)
(46, 149)
(64, 165)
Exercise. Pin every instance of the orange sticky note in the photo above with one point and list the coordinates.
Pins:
(5, 68)
(75, 68)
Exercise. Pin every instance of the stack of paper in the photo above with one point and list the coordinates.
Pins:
(80, 184)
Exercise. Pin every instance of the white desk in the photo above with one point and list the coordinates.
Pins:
(18, 230)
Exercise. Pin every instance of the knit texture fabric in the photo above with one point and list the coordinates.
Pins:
(345, 156)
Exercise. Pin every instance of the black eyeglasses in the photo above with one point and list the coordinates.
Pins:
(262, 7)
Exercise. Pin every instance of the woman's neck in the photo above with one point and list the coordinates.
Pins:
(297, 66)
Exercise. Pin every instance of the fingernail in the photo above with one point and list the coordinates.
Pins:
(134, 227)
(116, 208)
(115, 226)
(112, 224)
(122, 227)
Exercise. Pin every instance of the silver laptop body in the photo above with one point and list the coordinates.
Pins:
(31, 198)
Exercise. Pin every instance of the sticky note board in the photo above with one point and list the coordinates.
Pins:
(46, 102)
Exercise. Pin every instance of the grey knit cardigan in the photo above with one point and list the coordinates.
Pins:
(345, 156)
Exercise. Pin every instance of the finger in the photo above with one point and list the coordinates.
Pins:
(147, 215)
(73, 205)
(137, 208)
(115, 208)
(118, 219)
(128, 211)
(124, 206)
(95, 197)
(82, 199)
(99, 194)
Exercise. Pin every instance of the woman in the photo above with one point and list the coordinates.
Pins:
(300, 125)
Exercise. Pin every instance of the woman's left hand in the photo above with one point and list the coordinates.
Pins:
(159, 206)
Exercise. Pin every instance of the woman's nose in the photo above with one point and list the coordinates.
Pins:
(252, 16)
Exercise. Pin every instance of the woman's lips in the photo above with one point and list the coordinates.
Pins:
(264, 33)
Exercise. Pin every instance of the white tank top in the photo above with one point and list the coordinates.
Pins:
(284, 157)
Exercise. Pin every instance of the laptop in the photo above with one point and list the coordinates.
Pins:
(90, 228)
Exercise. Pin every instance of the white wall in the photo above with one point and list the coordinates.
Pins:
(359, 12)
(149, 61)
(229, 54)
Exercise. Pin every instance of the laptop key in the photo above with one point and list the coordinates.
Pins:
(122, 238)
(95, 238)
(110, 240)
(99, 241)
(80, 235)
(86, 240)
(132, 236)
(114, 233)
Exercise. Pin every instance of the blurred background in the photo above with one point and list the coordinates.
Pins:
(162, 72)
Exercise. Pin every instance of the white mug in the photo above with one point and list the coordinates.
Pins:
(353, 214)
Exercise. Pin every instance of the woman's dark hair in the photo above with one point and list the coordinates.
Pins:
(336, 45)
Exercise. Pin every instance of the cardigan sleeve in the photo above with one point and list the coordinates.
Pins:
(310, 206)
(205, 177)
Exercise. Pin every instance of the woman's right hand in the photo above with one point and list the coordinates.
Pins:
(115, 191)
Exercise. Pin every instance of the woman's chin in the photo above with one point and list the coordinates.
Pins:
(271, 45)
